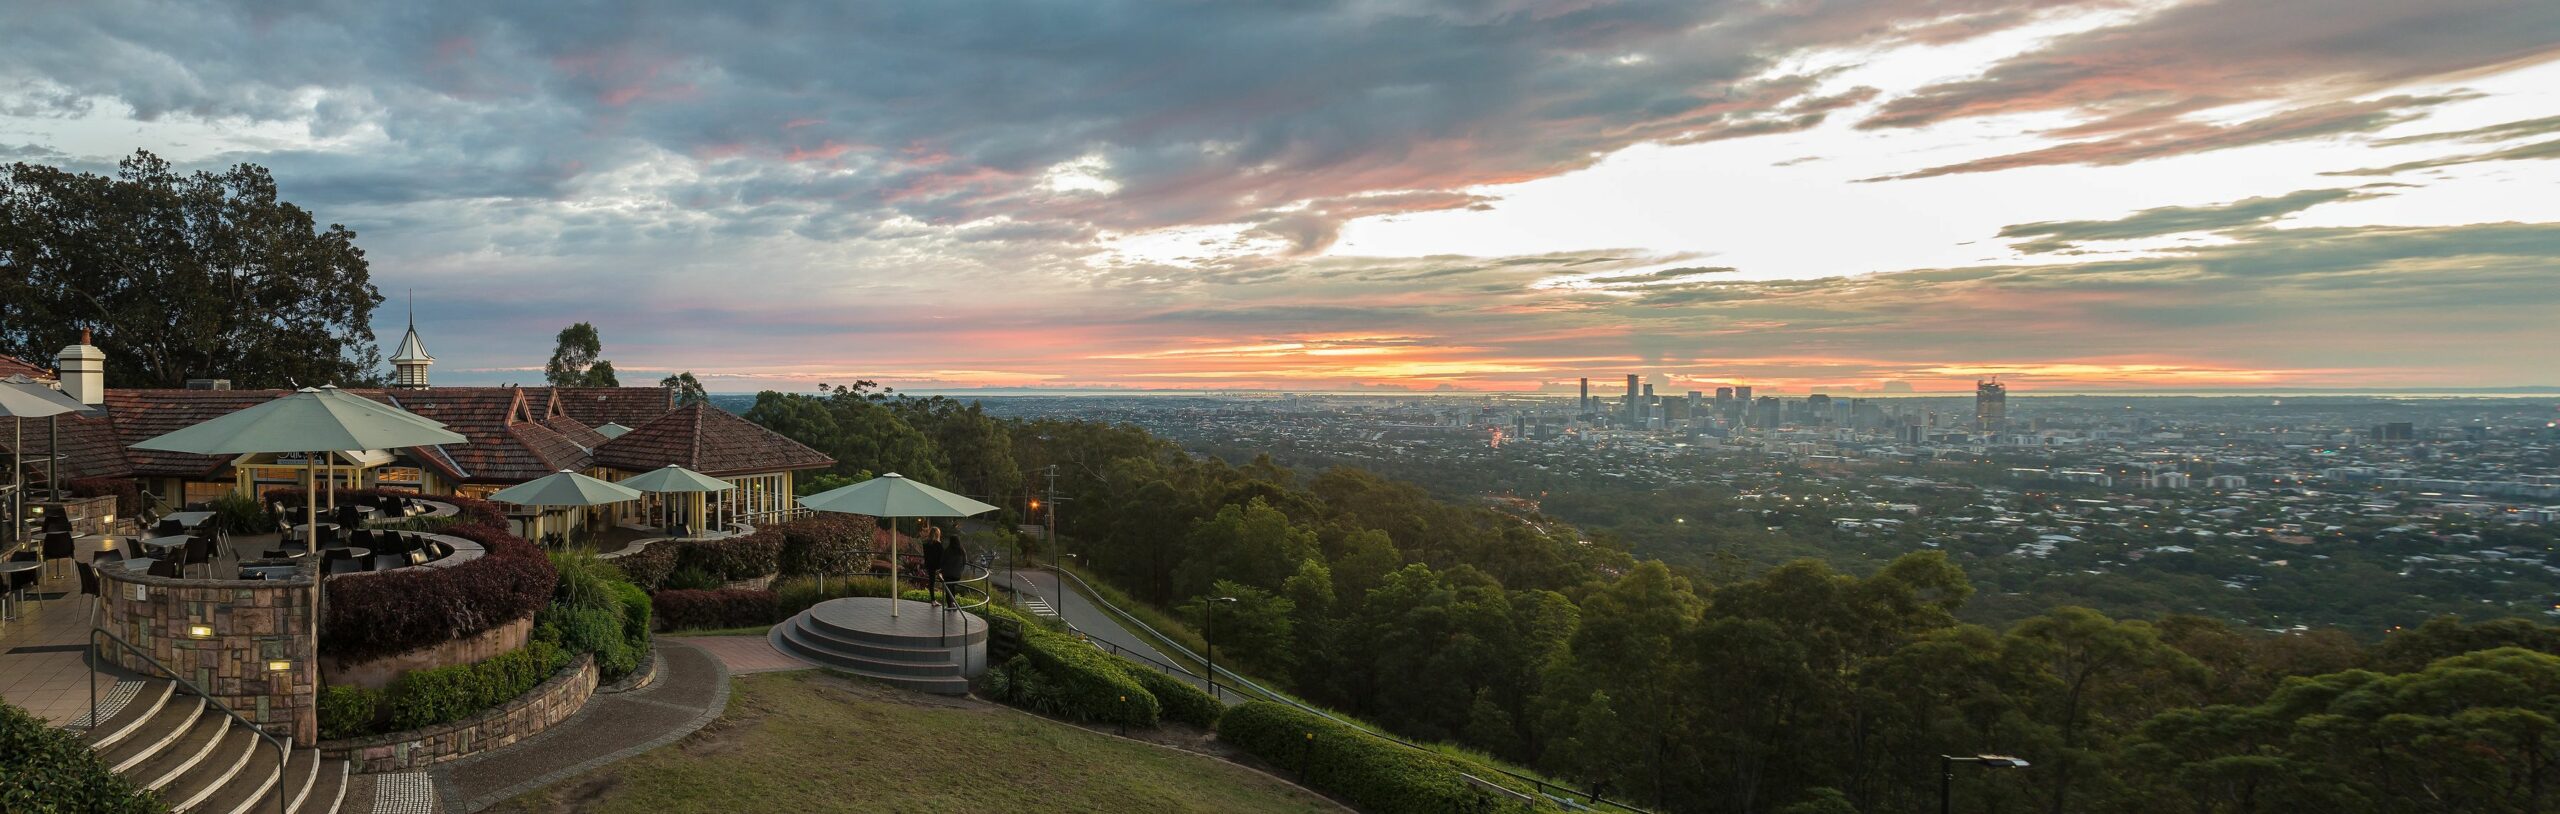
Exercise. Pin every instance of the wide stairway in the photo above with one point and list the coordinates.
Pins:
(924, 648)
(203, 762)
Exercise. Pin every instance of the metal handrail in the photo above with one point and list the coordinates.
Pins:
(1544, 787)
(96, 656)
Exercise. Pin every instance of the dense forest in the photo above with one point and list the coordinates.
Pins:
(1799, 689)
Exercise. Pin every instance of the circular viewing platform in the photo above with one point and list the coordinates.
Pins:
(923, 647)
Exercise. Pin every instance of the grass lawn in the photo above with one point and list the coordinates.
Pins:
(810, 741)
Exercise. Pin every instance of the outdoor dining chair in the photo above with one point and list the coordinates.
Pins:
(89, 584)
(167, 568)
(199, 551)
(58, 545)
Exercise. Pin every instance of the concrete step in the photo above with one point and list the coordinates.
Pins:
(960, 633)
(245, 789)
(146, 739)
(145, 703)
(870, 650)
(808, 642)
(191, 747)
(951, 684)
(851, 662)
(328, 791)
(232, 754)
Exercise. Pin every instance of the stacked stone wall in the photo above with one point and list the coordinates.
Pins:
(245, 643)
(528, 715)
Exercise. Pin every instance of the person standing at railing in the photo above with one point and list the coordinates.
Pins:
(954, 567)
(929, 566)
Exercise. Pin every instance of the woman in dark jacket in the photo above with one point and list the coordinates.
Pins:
(954, 567)
(929, 563)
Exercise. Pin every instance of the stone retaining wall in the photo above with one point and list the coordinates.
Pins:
(378, 673)
(528, 715)
(250, 626)
(90, 516)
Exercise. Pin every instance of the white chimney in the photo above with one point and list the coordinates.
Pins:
(83, 370)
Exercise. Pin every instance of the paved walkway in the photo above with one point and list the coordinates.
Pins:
(745, 655)
(691, 689)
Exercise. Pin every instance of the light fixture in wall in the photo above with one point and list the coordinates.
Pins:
(200, 631)
(279, 665)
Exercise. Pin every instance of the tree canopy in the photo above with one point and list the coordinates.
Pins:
(577, 362)
(178, 276)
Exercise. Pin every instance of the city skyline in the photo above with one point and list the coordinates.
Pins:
(2071, 197)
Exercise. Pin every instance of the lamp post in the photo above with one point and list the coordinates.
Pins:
(1208, 645)
(1947, 774)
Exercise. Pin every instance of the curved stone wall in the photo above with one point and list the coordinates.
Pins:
(248, 628)
(528, 715)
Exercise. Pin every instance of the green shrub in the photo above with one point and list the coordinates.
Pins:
(236, 513)
(1374, 774)
(349, 712)
(1059, 675)
(691, 579)
(424, 698)
(599, 631)
(1181, 701)
(635, 614)
(583, 580)
(45, 770)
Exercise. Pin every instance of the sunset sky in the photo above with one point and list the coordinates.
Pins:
(1330, 195)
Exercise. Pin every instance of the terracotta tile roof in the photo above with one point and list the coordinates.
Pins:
(14, 366)
(143, 414)
(597, 406)
(89, 445)
(577, 433)
(508, 443)
(708, 440)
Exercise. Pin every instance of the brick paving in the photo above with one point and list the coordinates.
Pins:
(692, 688)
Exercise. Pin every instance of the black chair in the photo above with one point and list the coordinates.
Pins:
(199, 551)
(364, 538)
(89, 584)
(58, 545)
(108, 555)
(168, 568)
(168, 528)
(328, 537)
(275, 554)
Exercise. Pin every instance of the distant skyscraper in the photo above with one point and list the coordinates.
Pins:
(1990, 405)
(1586, 396)
(1742, 394)
(1627, 411)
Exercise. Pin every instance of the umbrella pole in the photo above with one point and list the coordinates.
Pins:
(897, 592)
(311, 508)
(18, 478)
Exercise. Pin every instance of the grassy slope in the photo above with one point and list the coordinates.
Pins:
(807, 741)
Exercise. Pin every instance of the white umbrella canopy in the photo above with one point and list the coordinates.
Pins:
(565, 488)
(310, 420)
(893, 496)
(673, 478)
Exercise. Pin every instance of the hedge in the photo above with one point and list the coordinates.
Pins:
(733, 607)
(1375, 775)
(1060, 675)
(1182, 702)
(369, 616)
(734, 558)
(424, 698)
(128, 494)
(45, 770)
(826, 543)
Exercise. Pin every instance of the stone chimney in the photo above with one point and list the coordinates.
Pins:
(83, 370)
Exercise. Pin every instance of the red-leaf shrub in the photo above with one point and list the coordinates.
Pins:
(733, 607)
(825, 543)
(649, 567)
(368, 616)
(748, 557)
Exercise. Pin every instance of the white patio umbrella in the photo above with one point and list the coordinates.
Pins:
(673, 479)
(313, 422)
(893, 496)
(565, 488)
(22, 398)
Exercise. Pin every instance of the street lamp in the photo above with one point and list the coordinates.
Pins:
(1947, 773)
(1209, 646)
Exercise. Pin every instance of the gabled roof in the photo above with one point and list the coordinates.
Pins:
(596, 406)
(708, 440)
(509, 442)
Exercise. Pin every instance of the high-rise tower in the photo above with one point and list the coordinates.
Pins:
(1990, 405)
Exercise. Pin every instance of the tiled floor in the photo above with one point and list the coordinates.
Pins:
(42, 667)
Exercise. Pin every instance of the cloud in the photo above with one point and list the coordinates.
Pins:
(2191, 56)
(2184, 137)
(2524, 152)
(2054, 236)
